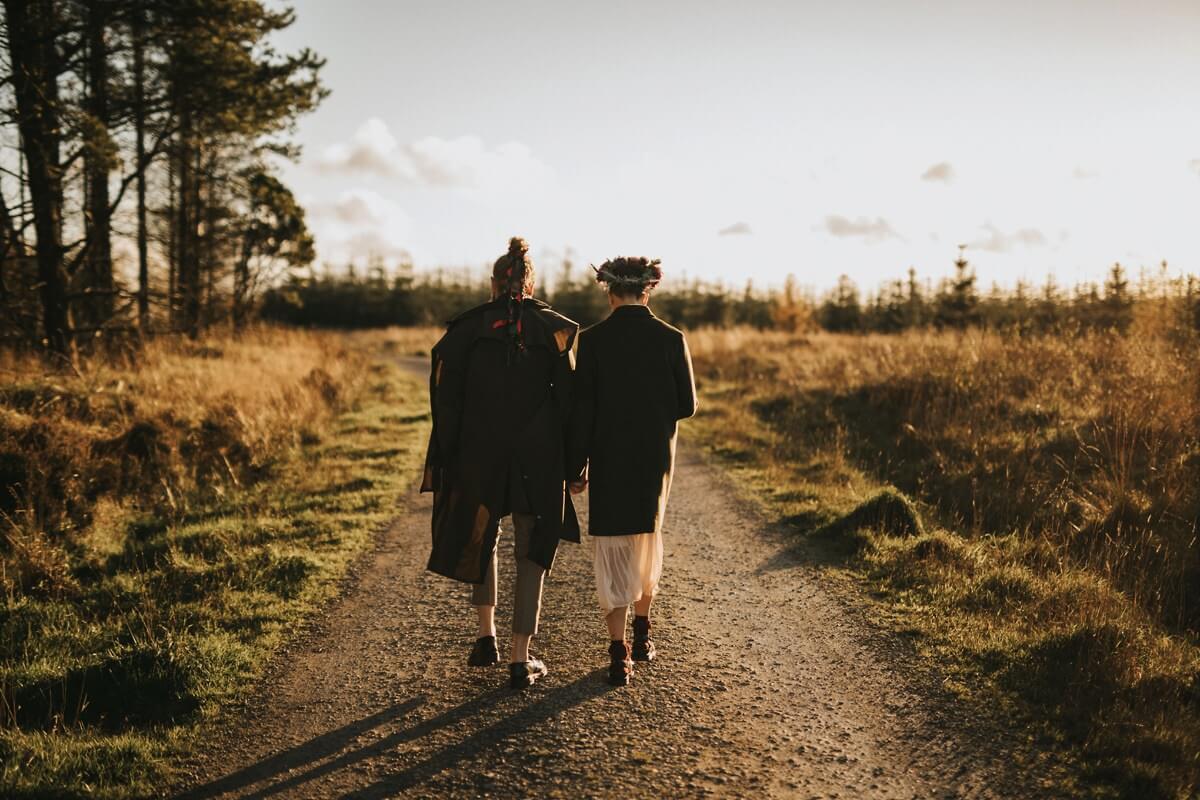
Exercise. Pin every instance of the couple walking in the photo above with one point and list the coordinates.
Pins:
(520, 424)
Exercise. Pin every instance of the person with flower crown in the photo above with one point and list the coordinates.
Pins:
(500, 389)
(633, 384)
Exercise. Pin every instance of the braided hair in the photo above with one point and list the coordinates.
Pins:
(513, 272)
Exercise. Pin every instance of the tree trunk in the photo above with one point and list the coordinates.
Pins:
(139, 124)
(193, 257)
(99, 275)
(189, 278)
(173, 238)
(241, 283)
(33, 56)
(13, 247)
(208, 265)
(189, 281)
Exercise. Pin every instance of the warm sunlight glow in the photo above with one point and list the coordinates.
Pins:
(753, 140)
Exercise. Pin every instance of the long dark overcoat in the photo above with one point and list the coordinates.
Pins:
(633, 383)
(498, 439)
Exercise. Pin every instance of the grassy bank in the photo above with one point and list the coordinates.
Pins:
(1028, 508)
(168, 519)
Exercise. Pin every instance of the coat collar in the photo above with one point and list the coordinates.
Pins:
(631, 310)
(498, 303)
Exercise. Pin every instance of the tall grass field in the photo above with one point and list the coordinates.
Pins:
(1027, 507)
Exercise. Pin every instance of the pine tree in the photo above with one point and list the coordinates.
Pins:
(34, 30)
(916, 313)
(98, 83)
(958, 302)
(1192, 301)
(1116, 310)
(275, 241)
(230, 97)
(842, 310)
(1048, 310)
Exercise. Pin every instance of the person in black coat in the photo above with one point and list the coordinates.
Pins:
(633, 384)
(499, 389)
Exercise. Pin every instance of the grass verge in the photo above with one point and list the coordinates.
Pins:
(955, 484)
(161, 611)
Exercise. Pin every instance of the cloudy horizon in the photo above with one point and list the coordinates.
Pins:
(755, 140)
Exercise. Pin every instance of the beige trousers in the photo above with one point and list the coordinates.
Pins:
(527, 588)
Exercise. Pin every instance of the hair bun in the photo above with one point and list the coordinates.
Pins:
(518, 247)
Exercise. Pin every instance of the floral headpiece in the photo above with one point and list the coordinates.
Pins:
(642, 272)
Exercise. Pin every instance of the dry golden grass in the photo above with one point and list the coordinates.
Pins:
(1060, 478)
(154, 428)
(168, 517)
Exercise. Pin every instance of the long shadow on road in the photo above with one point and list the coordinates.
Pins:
(301, 755)
(279, 772)
(527, 717)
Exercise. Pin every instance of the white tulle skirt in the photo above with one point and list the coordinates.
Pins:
(628, 568)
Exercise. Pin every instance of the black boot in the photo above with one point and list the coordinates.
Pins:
(643, 648)
(620, 667)
(525, 673)
(484, 653)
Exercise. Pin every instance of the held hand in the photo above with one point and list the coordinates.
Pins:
(578, 486)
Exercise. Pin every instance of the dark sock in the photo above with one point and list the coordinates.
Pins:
(618, 647)
(641, 626)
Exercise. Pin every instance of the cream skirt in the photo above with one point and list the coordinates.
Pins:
(627, 568)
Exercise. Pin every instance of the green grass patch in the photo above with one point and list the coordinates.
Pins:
(169, 617)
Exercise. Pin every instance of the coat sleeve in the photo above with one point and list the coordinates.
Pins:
(685, 381)
(563, 379)
(583, 412)
(431, 481)
(446, 386)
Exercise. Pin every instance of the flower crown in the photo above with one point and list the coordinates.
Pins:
(637, 272)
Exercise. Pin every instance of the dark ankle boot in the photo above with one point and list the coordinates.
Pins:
(526, 673)
(620, 666)
(643, 648)
(484, 653)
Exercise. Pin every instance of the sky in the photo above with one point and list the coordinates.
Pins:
(755, 139)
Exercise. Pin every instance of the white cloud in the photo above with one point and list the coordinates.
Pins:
(871, 231)
(942, 172)
(371, 149)
(463, 162)
(360, 224)
(997, 241)
(1195, 165)
(736, 229)
(1084, 174)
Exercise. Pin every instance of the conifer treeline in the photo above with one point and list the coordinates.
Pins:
(401, 297)
(957, 303)
(137, 186)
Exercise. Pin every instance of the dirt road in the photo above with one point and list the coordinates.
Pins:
(768, 683)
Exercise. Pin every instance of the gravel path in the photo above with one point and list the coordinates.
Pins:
(769, 682)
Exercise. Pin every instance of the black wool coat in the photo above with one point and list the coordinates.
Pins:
(633, 383)
(498, 439)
